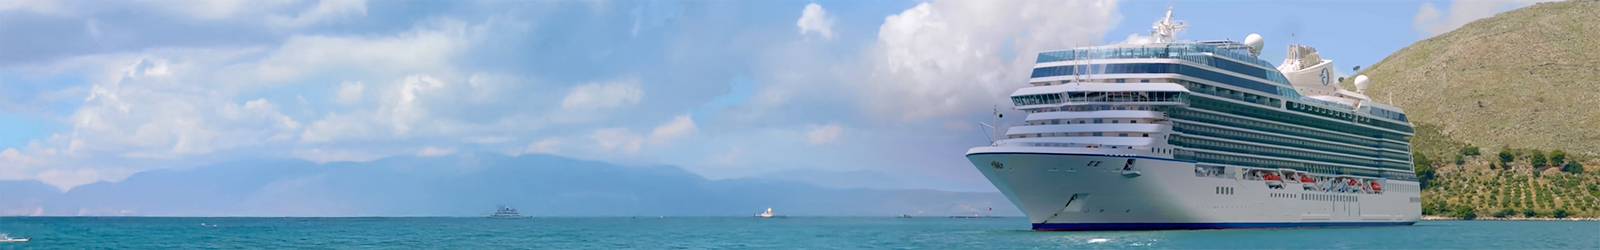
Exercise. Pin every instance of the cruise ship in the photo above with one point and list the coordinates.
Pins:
(1175, 134)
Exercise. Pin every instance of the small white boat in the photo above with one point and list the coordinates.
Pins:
(767, 214)
(506, 212)
(6, 238)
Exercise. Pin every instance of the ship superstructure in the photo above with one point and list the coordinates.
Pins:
(1200, 134)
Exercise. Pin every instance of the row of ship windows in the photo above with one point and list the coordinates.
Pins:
(1404, 188)
(1304, 108)
(1079, 97)
(1224, 190)
(1280, 116)
(1391, 114)
(1347, 116)
(1190, 52)
(1085, 121)
(1232, 94)
(1158, 68)
(1281, 129)
(1299, 166)
(1077, 134)
(1277, 152)
(1331, 197)
(1197, 129)
(1098, 108)
(1112, 80)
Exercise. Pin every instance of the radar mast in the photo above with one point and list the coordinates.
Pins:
(1166, 30)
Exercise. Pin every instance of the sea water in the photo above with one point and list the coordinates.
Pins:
(751, 233)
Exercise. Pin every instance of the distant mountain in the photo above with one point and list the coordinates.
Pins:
(1525, 78)
(470, 184)
(837, 179)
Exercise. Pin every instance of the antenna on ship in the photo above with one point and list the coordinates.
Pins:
(1166, 30)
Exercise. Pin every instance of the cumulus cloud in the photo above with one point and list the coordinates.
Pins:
(349, 92)
(545, 146)
(600, 95)
(1431, 21)
(325, 10)
(425, 48)
(1138, 39)
(678, 127)
(619, 139)
(951, 58)
(435, 151)
(41, 6)
(823, 134)
(814, 19)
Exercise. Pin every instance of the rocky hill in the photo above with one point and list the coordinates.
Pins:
(1492, 100)
(1526, 78)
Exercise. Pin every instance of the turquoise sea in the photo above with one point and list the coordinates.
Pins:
(750, 233)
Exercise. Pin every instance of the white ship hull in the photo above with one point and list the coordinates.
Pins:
(1063, 189)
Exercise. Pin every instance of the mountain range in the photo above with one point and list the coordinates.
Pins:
(470, 184)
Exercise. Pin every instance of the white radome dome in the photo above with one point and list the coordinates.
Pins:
(1254, 41)
(1361, 83)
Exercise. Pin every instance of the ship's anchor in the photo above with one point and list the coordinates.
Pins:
(1128, 171)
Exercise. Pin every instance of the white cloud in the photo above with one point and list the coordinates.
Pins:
(1137, 39)
(203, 9)
(433, 151)
(619, 139)
(679, 126)
(949, 58)
(324, 10)
(545, 146)
(814, 19)
(600, 95)
(426, 48)
(92, 28)
(333, 155)
(1431, 21)
(349, 92)
(824, 134)
(41, 6)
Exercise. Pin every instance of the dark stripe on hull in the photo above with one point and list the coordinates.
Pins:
(1223, 225)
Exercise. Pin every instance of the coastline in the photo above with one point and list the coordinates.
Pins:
(1432, 217)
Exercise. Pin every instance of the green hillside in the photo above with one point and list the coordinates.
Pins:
(1526, 78)
(1526, 82)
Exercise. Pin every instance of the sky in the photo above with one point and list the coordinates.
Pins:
(95, 91)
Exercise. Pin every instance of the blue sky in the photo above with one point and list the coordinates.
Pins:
(95, 91)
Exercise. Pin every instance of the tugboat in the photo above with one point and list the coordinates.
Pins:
(506, 212)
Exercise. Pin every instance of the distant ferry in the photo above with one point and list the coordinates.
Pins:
(506, 212)
(1200, 135)
(768, 214)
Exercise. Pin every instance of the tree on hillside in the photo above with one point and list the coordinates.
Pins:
(1464, 211)
(1573, 167)
(1460, 160)
(1423, 168)
(1558, 158)
(1506, 156)
(1537, 159)
(1470, 151)
(1356, 69)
